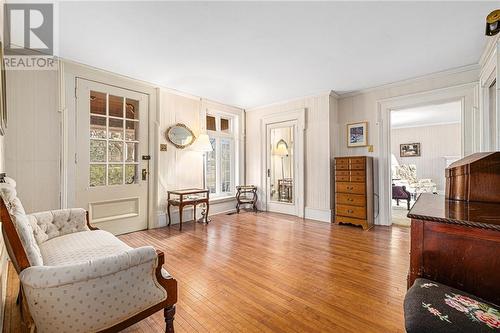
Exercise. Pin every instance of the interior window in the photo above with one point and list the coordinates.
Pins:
(211, 123)
(220, 163)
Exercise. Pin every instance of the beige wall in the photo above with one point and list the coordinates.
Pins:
(362, 106)
(33, 138)
(436, 142)
(183, 168)
(316, 151)
(3, 252)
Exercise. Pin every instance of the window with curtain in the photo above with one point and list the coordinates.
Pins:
(220, 163)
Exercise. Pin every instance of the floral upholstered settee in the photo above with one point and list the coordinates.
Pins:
(75, 278)
(406, 175)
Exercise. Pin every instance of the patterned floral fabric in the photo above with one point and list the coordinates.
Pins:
(433, 307)
(407, 172)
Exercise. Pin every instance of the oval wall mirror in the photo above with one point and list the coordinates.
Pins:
(180, 136)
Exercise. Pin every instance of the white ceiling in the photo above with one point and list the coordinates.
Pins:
(255, 53)
(445, 113)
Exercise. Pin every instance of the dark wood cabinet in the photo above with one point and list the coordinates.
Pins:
(354, 190)
(455, 239)
(456, 243)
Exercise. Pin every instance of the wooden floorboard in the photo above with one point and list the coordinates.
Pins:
(275, 273)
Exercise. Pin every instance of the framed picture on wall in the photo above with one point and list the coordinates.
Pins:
(357, 134)
(409, 149)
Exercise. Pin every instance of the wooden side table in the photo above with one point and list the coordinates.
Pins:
(187, 197)
(246, 194)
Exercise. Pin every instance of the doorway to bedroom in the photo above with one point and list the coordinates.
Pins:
(424, 141)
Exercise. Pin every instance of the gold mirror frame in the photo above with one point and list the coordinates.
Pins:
(176, 144)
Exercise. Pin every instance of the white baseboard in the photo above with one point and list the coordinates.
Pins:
(323, 215)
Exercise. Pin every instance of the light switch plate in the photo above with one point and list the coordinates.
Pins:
(163, 147)
(370, 148)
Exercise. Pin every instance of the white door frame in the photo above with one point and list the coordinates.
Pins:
(69, 72)
(470, 128)
(292, 115)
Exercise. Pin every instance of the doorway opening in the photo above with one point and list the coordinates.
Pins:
(424, 140)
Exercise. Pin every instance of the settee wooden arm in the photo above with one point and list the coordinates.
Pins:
(90, 226)
(169, 283)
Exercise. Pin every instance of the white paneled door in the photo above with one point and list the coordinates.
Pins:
(112, 156)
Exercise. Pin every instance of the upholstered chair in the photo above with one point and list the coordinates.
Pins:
(76, 278)
(400, 193)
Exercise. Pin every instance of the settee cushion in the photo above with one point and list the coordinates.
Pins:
(55, 223)
(79, 247)
(433, 307)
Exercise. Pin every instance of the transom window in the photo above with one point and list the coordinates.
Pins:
(114, 140)
(220, 163)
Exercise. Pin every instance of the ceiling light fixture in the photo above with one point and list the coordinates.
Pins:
(493, 23)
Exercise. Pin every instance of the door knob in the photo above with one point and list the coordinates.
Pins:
(144, 174)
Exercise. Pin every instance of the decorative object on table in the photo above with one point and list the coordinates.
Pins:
(3, 94)
(203, 145)
(282, 151)
(474, 178)
(188, 197)
(354, 191)
(409, 149)
(400, 193)
(357, 134)
(285, 190)
(180, 135)
(493, 23)
(246, 195)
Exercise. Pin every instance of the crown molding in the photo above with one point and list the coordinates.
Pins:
(151, 84)
(488, 49)
(291, 100)
(431, 76)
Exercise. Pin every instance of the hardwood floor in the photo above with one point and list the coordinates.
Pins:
(274, 273)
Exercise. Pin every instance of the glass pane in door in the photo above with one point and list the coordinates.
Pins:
(113, 140)
(281, 164)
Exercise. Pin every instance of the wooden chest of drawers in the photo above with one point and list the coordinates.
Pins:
(354, 190)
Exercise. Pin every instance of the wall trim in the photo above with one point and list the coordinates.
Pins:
(427, 125)
(431, 76)
(323, 215)
(488, 49)
(467, 93)
(294, 99)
